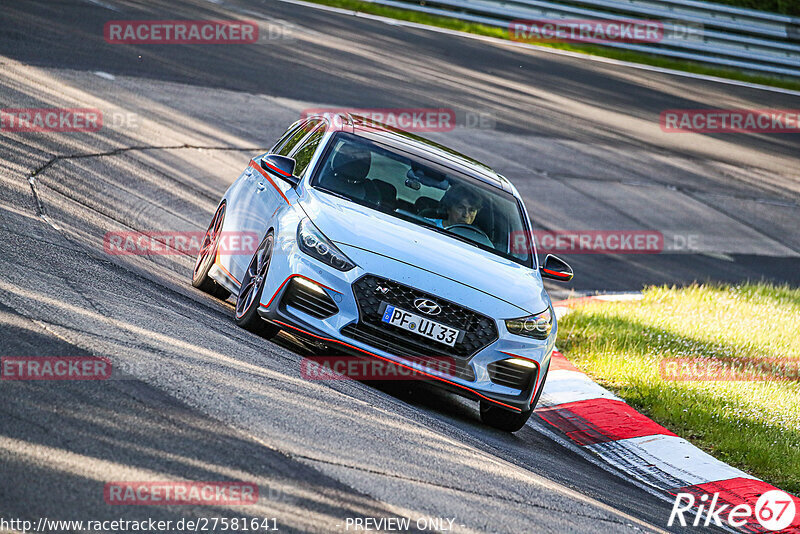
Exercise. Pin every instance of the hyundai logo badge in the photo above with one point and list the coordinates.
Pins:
(427, 306)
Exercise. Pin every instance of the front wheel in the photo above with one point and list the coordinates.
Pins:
(503, 419)
(253, 282)
(507, 420)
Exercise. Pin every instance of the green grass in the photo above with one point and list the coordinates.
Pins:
(753, 425)
(623, 55)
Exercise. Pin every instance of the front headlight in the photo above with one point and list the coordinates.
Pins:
(316, 245)
(537, 326)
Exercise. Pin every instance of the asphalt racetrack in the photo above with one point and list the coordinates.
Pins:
(193, 397)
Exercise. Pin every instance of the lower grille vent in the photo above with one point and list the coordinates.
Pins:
(506, 373)
(309, 298)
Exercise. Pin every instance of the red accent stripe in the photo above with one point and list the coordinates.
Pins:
(327, 339)
(558, 362)
(600, 420)
(257, 167)
(274, 168)
(538, 371)
(555, 273)
(226, 271)
(571, 303)
(736, 491)
(289, 278)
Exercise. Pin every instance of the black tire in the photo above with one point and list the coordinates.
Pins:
(205, 258)
(503, 419)
(253, 281)
(506, 420)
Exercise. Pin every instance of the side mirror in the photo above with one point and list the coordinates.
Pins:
(280, 166)
(556, 269)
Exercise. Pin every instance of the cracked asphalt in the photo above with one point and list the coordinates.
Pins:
(193, 397)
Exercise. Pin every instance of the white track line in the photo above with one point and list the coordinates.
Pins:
(564, 386)
(669, 454)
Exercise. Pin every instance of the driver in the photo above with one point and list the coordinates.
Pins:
(461, 206)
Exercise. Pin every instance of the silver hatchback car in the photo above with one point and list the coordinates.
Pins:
(382, 244)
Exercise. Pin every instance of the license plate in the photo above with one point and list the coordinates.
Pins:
(421, 325)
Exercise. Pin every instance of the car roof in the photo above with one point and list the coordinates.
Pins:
(419, 146)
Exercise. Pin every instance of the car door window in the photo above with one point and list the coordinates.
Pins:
(291, 140)
(302, 156)
(290, 131)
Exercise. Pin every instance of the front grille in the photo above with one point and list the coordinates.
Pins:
(479, 331)
(315, 303)
(375, 337)
(507, 374)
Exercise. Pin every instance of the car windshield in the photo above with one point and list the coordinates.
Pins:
(427, 194)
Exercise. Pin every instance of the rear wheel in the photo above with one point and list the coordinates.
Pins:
(205, 258)
(503, 419)
(252, 287)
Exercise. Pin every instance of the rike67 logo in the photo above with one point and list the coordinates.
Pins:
(775, 510)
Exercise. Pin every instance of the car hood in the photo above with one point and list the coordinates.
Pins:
(345, 222)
